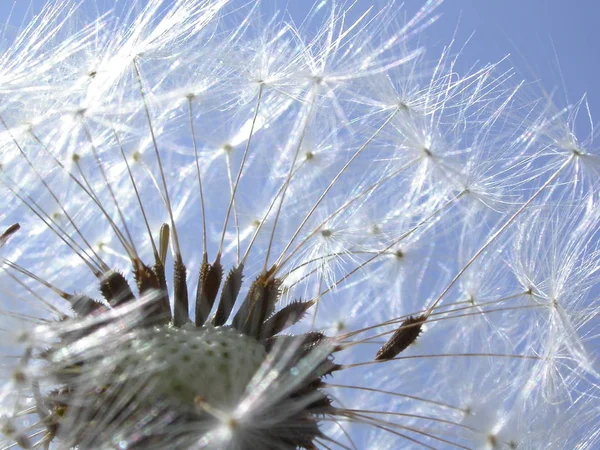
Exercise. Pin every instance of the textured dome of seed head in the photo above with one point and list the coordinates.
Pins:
(208, 364)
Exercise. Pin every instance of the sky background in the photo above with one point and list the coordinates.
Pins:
(554, 42)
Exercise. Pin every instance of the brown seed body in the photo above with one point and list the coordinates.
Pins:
(402, 338)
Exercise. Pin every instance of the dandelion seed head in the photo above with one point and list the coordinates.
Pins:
(225, 230)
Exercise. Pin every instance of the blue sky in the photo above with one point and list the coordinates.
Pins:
(553, 41)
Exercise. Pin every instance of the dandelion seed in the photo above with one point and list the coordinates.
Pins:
(402, 338)
(8, 233)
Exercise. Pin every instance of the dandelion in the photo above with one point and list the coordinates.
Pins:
(223, 230)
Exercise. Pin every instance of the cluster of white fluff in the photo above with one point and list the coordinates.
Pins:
(366, 179)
